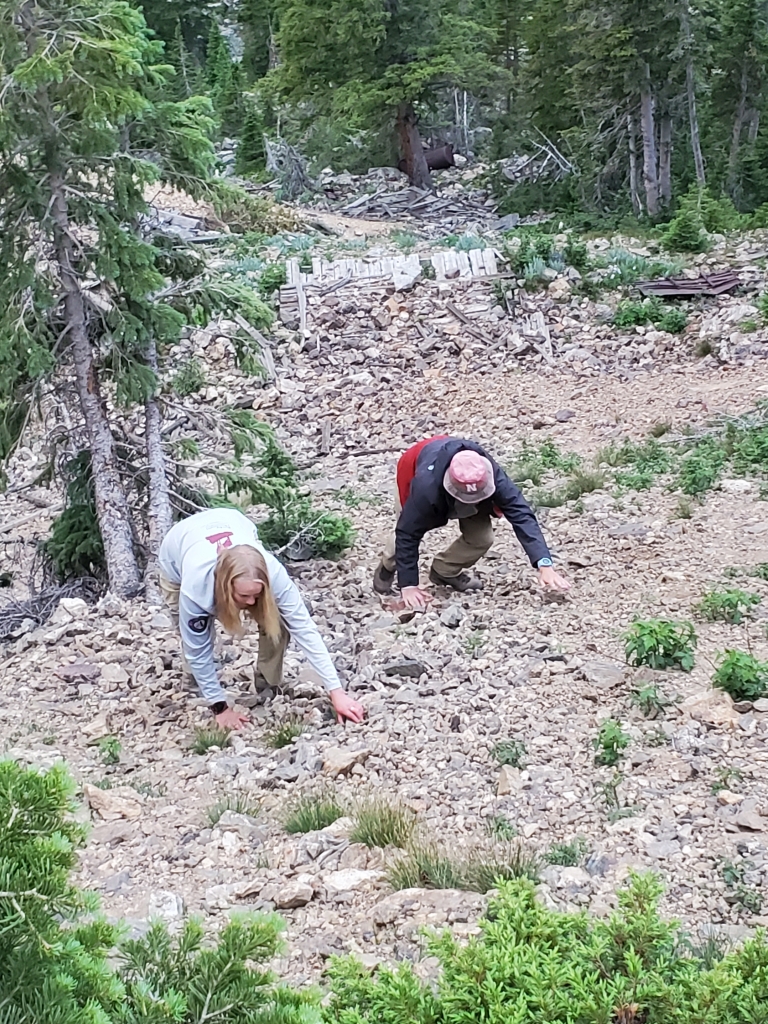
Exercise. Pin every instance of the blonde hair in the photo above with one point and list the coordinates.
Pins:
(235, 563)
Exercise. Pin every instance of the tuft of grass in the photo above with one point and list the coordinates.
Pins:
(206, 739)
(236, 802)
(109, 748)
(534, 461)
(511, 752)
(610, 742)
(382, 822)
(285, 733)
(428, 866)
(501, 828)
(660, 643)
(760, 571)
(567, 855)
(660, 429)
(312, 812)
(650, 701)
(189, 378)
(701, 468)
(731, 605)
(741, 675)
(725, 778)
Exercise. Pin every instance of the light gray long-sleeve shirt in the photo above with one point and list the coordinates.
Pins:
(188, 557)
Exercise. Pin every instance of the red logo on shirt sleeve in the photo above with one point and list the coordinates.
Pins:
(221, 540)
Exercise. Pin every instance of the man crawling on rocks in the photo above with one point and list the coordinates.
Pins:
(444, 478)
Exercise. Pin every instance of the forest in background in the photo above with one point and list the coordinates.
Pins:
(641, 100)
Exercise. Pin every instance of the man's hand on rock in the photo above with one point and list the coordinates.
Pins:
(415, 597)
(231, 719)
(346, 707)
(552, 580)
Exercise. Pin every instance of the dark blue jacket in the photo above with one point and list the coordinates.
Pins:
(429, 504)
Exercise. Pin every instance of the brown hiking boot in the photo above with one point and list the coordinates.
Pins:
(383, 579)
(463, 582)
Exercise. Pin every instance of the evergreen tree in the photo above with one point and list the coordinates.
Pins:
(385, 61)
(78, 127)
(250, 148)
(258, 23)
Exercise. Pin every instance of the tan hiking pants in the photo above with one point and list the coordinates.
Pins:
(476, 538)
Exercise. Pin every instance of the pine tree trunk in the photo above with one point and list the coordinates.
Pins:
(648, 133)
(690, 90)
(738, 127)
(411, 147)
(633, 177)
(112, 507)
(665, 159)
(160, 510)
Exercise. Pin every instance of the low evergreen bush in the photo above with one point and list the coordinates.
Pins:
(531, 965)
(61, 964)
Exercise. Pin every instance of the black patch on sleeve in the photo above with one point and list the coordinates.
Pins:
(199, 624)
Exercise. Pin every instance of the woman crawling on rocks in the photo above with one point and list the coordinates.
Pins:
(213, 566)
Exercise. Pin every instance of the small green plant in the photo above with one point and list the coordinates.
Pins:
(499, 827)
(660, 429)
(576, 254)
(208, 738)
(511, 752)
(583, 481)
(109, 748)
(701, 468)
(748, 326)
(742, 895)
(635, 313)
(382, 822)
(610, 742)
(295, 521)
(741, 675)
(312, 812)
(238, 803)
(609, 791)
(660, 643)
(726, 605)
(567, 855)
(285, 733)
(650, 701)
(189, 378)
(760, 571)
(404, 240)
(271, 278)
(474, 642)
(534, 461)
(673, 320)
(683, 509)
(725, 778)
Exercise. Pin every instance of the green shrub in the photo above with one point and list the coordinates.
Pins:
(382, 822)
(271, 278)
(673, 320)
(726, 605)
(660, 643)
(109, 748)
(632, 313)
(741, 675)
(532, 965)
(701, 468)
(213, 736)
(567, 855)
(610, 742)
(296, 521)
(511, 752)
(534, 461)
(576, 254)
(75, 547)
(312, 812)
(61, 964)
